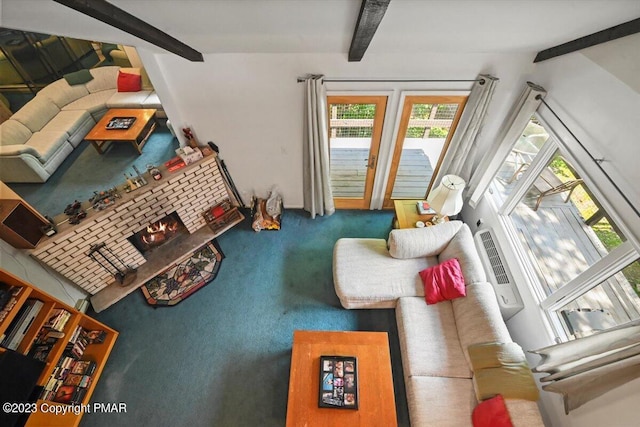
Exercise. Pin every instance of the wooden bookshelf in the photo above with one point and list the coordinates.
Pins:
(97, 352)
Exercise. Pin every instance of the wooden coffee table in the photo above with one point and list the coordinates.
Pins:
(137, 134)
(376, 401)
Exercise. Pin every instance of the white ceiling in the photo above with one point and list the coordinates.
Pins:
(326, 26)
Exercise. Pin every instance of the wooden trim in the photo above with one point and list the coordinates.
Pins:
(374, 149)
(407, 107)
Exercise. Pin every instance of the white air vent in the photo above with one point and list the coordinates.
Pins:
(498, 273)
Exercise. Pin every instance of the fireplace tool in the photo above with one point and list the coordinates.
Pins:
(101, 254)
(235, 191)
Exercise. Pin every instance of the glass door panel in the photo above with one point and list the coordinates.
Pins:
(426, 127)
(355, 128)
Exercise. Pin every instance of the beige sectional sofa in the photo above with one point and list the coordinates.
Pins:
(37, 138)
(374, 273)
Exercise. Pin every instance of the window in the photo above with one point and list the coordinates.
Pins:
(585, 273)
(355, 129)
(426, 127)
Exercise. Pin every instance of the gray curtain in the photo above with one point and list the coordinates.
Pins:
(460, 156)
(586, 368)
(318, 199)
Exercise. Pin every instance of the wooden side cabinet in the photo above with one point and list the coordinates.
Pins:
(62, 355)
(20, 224)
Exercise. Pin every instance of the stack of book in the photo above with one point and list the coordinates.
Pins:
(77, 344)
(424, 208)
(80, 339)
(69, 381)
(58, 319)
(21, 323)
(49, 334)
(44, 343)
(8, 298)
(174, 164)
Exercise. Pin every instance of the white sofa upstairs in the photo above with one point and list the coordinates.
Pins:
(37, 138)
(435, 339)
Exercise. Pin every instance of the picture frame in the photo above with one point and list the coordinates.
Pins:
(338, 382)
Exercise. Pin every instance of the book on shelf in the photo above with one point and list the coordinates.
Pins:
(424, 208)
(5, 294)
(65, 394)
(69, 372)
(76, 346)
(96, 336)
(44, 343)
(11, 302)
(84, 367)
(77, 380)
(21, 323)
(58, 319)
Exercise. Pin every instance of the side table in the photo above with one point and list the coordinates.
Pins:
(406, 214)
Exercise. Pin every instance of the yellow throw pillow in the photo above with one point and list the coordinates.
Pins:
(512, 382)
(501, 368)
(493, 355)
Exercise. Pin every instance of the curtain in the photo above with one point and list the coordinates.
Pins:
(460, 156)
(510, 131)
(318, 199)
(586, 368)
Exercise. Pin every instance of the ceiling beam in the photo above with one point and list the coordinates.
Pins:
(116, 17)
(603, 36)
(371, 14)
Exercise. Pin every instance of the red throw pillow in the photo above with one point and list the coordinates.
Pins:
(443, 282)
(491, 413)
(129, 82)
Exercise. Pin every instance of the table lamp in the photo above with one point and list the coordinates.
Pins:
(446, 199)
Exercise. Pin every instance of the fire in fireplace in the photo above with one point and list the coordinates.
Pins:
(158, 233)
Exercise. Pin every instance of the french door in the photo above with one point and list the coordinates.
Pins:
(426, 127)
(355, 130)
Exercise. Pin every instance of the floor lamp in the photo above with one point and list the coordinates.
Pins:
(446, 199)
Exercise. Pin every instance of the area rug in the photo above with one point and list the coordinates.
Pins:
(184, 277)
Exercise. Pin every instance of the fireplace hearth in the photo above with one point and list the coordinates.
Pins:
(158, 233)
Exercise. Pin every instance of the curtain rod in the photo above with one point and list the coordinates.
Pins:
(304, 79)
(596, 161)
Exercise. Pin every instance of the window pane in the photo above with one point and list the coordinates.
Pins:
(562, 227)
(611, 303)
(350, 131)
(427, 131)
(524, 151)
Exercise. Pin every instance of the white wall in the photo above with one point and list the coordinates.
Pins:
(251, 106)
(596, 96)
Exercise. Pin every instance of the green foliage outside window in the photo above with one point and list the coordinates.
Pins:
(603, 229)
(437, 132)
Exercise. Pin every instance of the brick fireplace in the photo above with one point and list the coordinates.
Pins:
(187, 192)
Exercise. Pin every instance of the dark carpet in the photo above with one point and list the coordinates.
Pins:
(85, 171)
(222, 357)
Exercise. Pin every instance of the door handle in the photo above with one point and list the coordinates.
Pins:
(372, 162)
